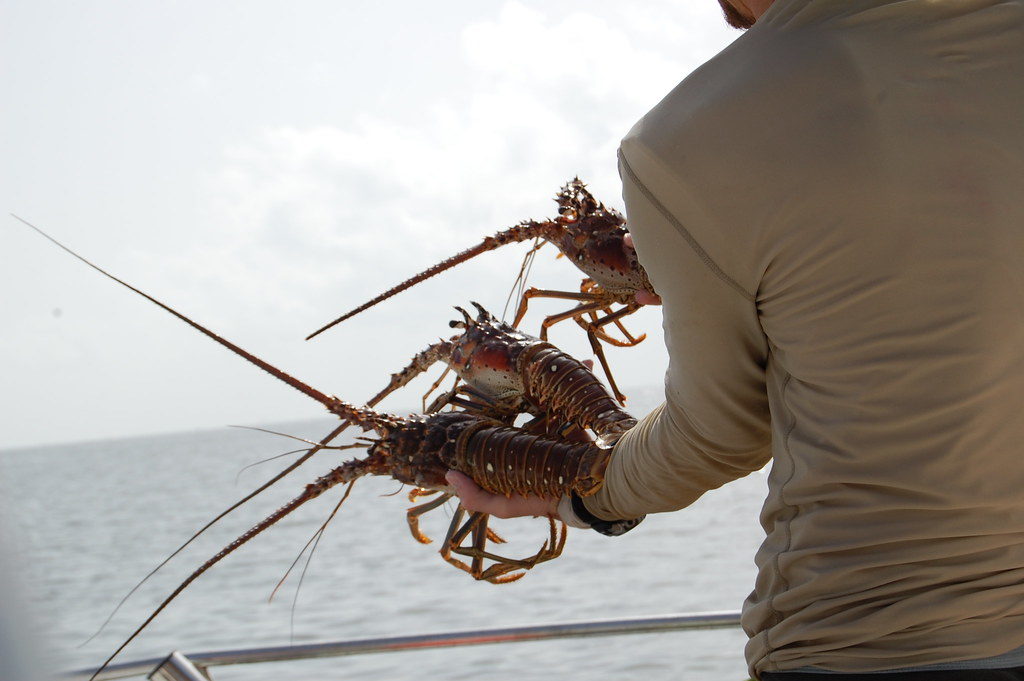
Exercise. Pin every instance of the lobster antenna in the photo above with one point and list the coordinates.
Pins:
(524, 273)
(238, 475)
(364, 418)
(273, 371)
(298, 462)
(347, 472)
(524, 231)
(317, 446)
(309, 559)
(314, 540)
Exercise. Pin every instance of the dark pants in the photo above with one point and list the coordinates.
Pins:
(1015, 674)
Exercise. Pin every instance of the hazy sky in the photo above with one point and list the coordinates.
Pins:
(264, 167)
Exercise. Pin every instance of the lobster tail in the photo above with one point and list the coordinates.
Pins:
(568, 388)
(524, 231)
(348, 472)
(504, 460)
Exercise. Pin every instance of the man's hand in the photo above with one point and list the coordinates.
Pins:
(475, 499)
(642, 297)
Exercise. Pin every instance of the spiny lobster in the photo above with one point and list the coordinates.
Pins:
(508, 373)
(419, 450)
(592, 237)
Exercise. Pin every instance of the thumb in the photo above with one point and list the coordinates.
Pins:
(461, 482)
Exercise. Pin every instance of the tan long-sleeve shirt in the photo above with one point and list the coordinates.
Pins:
(833, 212)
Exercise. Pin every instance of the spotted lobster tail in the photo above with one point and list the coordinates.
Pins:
(348, 472)
(504, 460)
(524, 231)
(568, 388)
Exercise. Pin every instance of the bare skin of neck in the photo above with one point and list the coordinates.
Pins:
(752, 8)
(743, 13)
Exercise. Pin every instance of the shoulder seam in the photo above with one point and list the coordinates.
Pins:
(694, 244)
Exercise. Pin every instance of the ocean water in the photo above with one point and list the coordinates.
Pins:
(84, 522)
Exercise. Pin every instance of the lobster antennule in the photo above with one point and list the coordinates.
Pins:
(524, 231)
(348, 472)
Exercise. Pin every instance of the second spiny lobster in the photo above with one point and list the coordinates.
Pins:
(508, 373)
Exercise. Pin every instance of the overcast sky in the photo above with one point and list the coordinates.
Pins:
(264, 167)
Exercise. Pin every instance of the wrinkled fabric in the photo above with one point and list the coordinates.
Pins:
(832, 210)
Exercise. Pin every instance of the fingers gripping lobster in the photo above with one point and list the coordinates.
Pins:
(592, 237)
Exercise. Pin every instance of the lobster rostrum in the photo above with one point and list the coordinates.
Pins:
(592, 237)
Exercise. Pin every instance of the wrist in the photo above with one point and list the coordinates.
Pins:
(583, 518)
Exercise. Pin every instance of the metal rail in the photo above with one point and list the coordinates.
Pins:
(616, 627)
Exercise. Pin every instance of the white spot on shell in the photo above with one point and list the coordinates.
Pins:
(490, 468)
(560, 480)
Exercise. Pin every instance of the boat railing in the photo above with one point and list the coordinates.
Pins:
(192, 667)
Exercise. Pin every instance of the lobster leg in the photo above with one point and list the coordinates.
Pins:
(592, 335)
(434, 387)
(414, 513)
(598, 321)
(545, 293)
(629, 337)
(496, 574)
(481, 534)
(613, 318)
(575, 313)
(599, 353)
(457, 533)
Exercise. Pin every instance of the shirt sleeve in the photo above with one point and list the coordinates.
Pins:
(714, 425)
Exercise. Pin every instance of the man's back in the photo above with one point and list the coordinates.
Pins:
(842, 190)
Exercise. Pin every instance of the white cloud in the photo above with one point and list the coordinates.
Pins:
(552, 95)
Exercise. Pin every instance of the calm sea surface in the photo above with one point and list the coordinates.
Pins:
(85, 522)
